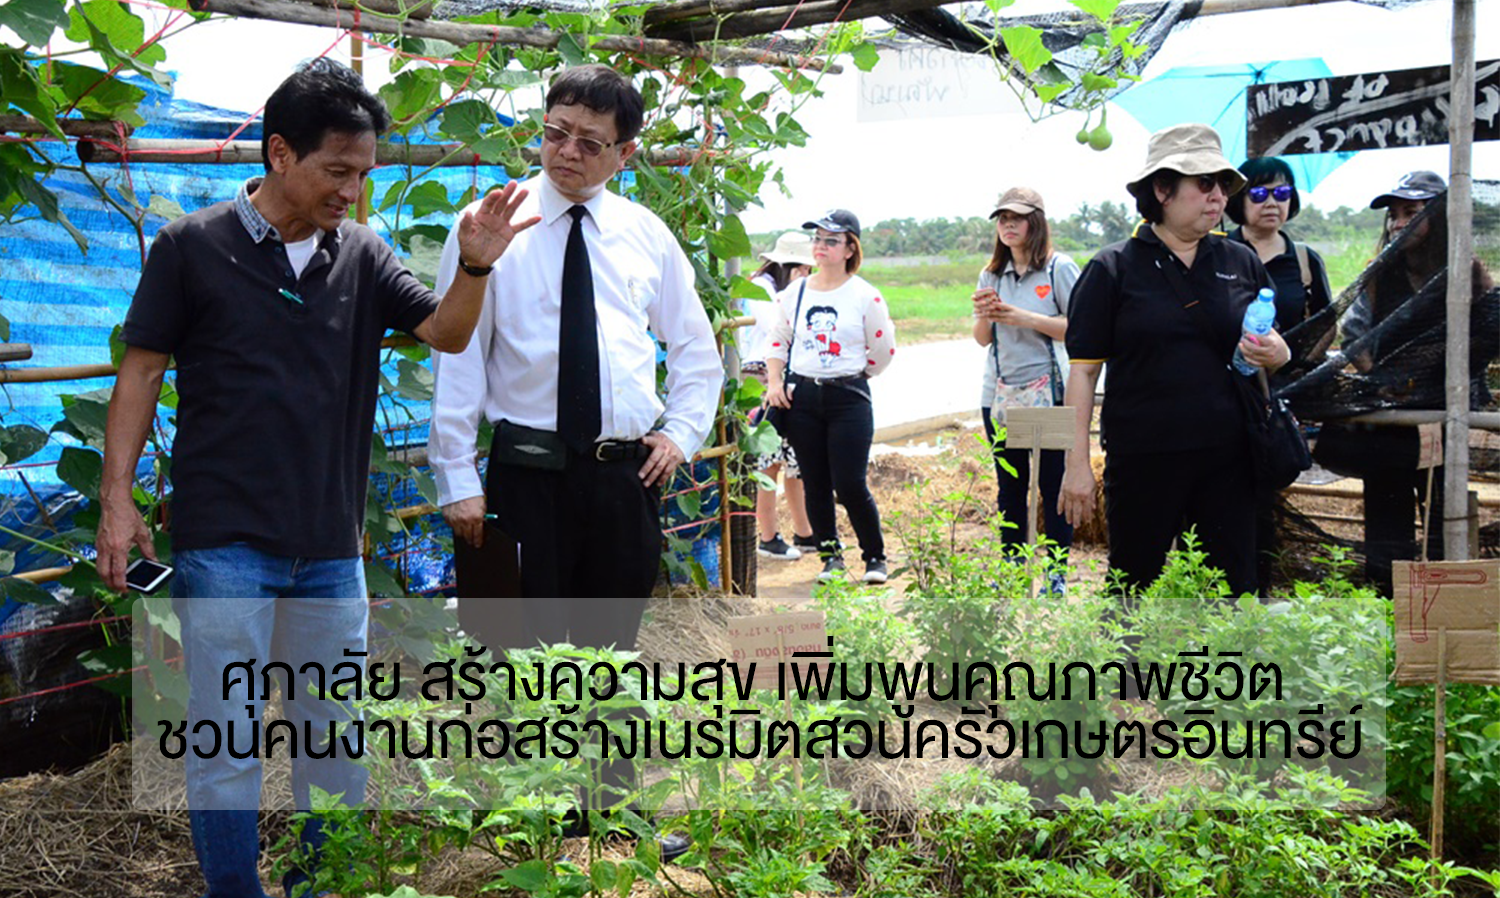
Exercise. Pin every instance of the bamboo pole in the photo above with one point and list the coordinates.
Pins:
(1460, 281)
(15, 352)
(57, 373)
(463, 34)
(754, 20)
(237, 152)
(73, 127)
(417, 9)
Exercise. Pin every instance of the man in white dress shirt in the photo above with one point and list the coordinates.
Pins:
(563, 363)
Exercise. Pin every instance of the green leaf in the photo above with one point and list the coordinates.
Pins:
(1024, 44)
(426, 486)
(429, 197)
(603, 874)
(730, 240)
(1099, 9)
(162, 207)
(466, 120)
(1492, 731)
(46, 203)
(760, 440)
(25, 591)
(21, 441)
(4, 328)
(690, 503)
(7, 563)
(117, 35)
(81, 469)
(117, 345)
(571, 51)
(88, 412)
(34, 20)
(529, 876)
(20, 87)
(1093, 82)
(865, 56)
(380, 581)
(96, 94)
(415, 381)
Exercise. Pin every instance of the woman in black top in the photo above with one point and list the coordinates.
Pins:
(1164, 308)
(1262, 210)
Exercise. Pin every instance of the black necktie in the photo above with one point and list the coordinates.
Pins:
(578, 413)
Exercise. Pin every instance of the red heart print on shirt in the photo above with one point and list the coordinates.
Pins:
(1043, 291)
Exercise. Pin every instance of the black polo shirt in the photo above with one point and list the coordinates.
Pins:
(1168, 385)
(276, 398)
(1294, 302)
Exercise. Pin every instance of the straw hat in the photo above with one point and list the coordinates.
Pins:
(792, 248)
(1191, 149)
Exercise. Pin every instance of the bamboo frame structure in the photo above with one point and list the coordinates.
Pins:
(462, 34)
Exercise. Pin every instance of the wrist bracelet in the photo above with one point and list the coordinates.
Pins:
(474, 271)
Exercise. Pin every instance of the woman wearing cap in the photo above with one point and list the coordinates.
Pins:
(1261, 210)
(833, 334)
(1386, 456)
(1164, 308)
(1020, 311)
(789, 259)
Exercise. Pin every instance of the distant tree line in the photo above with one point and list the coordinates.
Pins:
(1086, 230)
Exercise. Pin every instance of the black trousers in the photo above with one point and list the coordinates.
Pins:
(830, 428)
(1152, 497)
(1011, 494)
(1392, 501)
(589, 544)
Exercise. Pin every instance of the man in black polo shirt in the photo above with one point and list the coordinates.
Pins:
(1164, 309)
(274, 305)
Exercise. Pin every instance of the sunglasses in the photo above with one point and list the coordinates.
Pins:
(587, 145)
(829, 242)
(1282, 193)
(1223, 180)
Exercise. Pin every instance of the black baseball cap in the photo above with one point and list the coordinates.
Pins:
(836, 220)
(1416, 185)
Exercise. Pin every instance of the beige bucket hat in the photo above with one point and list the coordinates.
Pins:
(1192, 149)
(792, 248)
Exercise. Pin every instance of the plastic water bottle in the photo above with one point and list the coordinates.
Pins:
(1258, 320)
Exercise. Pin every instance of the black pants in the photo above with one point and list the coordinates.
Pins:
(1392, 501)
(1012, 493)
(590, 547)
(1152, 497)
(830, 428)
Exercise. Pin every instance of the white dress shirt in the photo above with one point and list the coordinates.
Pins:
(642, 280)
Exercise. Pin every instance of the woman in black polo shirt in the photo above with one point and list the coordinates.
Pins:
(1164, 308)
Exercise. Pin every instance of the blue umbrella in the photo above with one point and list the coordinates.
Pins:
(1215, 94)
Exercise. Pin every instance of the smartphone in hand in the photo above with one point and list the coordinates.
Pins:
(147, 576)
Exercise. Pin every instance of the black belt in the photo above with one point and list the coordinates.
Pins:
(846, 381)
(620, 450)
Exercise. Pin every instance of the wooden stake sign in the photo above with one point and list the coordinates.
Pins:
(1447, 628)
(769, 639)
(1462, 597)
(1035, 429)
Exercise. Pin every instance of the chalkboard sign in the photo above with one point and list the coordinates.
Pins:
(1406, 108)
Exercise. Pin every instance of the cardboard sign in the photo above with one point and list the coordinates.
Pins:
(768, 639)
(1039, 428)
(923, 81)
(1374, 111)
(1429, 445)
(1464, 597)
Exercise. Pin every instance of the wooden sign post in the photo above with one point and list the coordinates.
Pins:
(1447, 629)
(1035, 429)
(797, 639)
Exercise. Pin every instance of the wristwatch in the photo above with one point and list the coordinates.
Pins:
(474, 271)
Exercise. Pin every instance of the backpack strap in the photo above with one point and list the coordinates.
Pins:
(1303, 265)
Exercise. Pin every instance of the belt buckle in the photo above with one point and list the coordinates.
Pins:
(599, 450)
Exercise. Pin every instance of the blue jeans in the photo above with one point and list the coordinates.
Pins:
(237, 603)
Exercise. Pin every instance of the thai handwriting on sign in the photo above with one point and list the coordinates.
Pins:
(1372, 111)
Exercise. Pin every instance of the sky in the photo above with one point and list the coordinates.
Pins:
(955, 165)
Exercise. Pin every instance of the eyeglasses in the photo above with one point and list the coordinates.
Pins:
(588, 145)
(1224, 180)
(829, 242)
(1282, 192)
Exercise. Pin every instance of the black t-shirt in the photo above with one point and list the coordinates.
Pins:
(276, 398)
(1294, 302)
(1167, 386)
